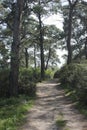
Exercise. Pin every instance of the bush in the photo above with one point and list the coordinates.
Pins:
(74, 76)
(27, 79)
(48, 74)
(30, 74)
(28, 88)
(36, 74)
(27, 82)
(56, 74)
(71, 75)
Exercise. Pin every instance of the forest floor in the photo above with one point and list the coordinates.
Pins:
(51, 102)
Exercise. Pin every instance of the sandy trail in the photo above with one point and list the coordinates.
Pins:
(50, 102)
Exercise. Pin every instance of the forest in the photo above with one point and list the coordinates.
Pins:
(29, 54)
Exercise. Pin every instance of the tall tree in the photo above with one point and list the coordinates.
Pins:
(38, 9)
(68, 13)
(14, 70)
(72, 5)
(41, 43)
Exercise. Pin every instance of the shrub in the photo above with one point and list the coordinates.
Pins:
(36, 74)
(71, 75)
(27, 82)
(28, 88)
(48, 74)
(74, 76)
(30, 74)
(27, 79)
(56, 74)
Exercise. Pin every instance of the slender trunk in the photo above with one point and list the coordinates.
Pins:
(86, 48)
(26, 57)
(41, 47)
(42, 55)
(34, 56)
(14, 70)
(48, 59)
(69, 59)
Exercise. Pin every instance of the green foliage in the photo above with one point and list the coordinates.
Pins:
(27, 82)
(74, 78)
(38, 9)
(56, 74)
(30, 74)
(71, 74)
(27, 88)
(60, 122)
(12, 112)
(49, 74)
(82, 108)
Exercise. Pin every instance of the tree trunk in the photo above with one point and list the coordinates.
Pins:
(72, 5)
(14, 70)
(41, 45)
(41, 53)
(86, 48)
(48, 59)
(26, 57)
(69, 59)
(34, 56)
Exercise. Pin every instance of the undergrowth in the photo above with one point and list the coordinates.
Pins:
(13, 111)
(73, 96)
(73, 79)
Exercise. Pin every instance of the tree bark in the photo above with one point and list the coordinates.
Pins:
(48, 59)
(69, 59)
(14, 70)
(26, 57)
(34, 56)
(86, 48)
(72, 5)
(41, 45)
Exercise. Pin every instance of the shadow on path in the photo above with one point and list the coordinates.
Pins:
(50, 103)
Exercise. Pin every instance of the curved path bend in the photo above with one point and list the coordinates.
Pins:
(50, 103)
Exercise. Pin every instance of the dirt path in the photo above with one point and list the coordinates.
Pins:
(48, 106)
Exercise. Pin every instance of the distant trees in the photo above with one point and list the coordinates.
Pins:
(74, 13)
(38, 9)
(68, 28)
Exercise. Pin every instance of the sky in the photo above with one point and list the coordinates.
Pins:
(57, 20)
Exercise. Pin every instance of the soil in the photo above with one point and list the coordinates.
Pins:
(51, 102)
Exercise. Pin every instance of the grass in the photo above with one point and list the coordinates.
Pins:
(74, 98)
(13, 111)
(60, 122)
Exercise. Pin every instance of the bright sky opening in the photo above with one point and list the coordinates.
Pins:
(57, 20)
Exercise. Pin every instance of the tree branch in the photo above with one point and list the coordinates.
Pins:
(69, 2)
(75, 3)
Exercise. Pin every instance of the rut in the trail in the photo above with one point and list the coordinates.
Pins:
(49, 104)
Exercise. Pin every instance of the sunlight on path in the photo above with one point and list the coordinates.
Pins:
(49, 104)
